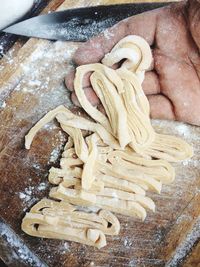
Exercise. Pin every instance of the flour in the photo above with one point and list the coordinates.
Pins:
(54, 155)
(58, 142)
(3, 105)
(182, 251)
(34, 83)
(74, 30)
(42, 186)
(27, 198)
(64, 247)
(183, 130)
(36, 166)
(45, 57)
(183, 218)
(145, 262)
(191, 162)
(19, 251)
(24, 196)
(28, 195)
(108, 35)
(50, 126)
(127, 242)
(8, 57)
(42, 80)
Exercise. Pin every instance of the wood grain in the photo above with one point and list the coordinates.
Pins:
(193, 259)
(32, 85)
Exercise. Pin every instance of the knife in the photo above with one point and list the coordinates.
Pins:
(78, 24)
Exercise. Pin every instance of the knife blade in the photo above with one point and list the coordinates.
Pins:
(78, 24)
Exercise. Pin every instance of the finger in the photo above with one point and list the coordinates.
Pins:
(69, 80)
(90, 94)
(179, 82)
(94, 49)
(161, 107)
(194, 20)
(151, 85)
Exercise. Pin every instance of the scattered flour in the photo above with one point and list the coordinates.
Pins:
(191, 162)
(186, 131)
(108, 35)
(145, 262)
(64, 247)
(8, 57)
(183, 217)
(183, 250)
(50, 126)
(27, 194)
(127, 242)
(34, 83)
(24, 196)
(45, 57)
(42, 186)
(58, 143)
(54, 155)
(183, 130)
(3, 105)
(83, 31)
(19, 250)
(28, 197)
(36, 166)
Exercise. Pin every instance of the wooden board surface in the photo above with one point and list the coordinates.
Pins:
(32, 84)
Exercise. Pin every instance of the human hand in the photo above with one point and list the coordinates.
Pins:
(172, 84)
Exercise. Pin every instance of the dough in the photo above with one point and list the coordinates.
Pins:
(112, 166)
(60, 220)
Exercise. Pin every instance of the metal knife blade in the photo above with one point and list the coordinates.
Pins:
(78, 24)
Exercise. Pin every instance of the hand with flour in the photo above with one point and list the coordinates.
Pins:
(172, 85)
(12, 10)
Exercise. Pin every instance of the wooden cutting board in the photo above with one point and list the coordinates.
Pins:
(31, 83)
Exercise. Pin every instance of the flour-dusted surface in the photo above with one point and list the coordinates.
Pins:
(24, 174)
(19, 249)
(35, 88)
(191, 238)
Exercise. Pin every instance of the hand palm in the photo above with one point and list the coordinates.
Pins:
(172, 85)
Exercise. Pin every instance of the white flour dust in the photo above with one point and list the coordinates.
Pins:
(64, 247)
(182, 251)
(54, 155)
(8, 57)
(58, 142)
(3, 105)
(75, 30)
(19, 251)
(28, 196)
(127, 242)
